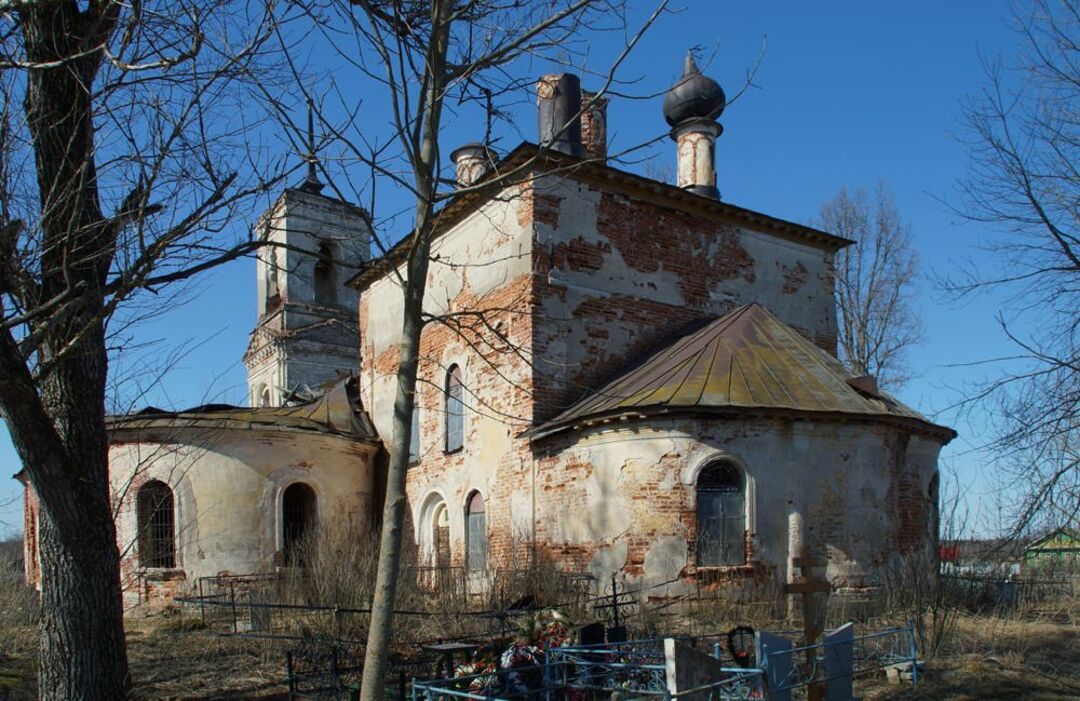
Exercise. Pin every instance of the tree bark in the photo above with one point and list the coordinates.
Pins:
(57, 420)
(376, 654)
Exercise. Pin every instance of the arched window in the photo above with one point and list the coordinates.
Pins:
(156, 522)
(455, 410)
(297, 520)
(264, 396)
(325, 289)
(721, 516)
(476, 545)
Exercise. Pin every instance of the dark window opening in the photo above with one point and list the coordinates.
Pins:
(721, 516)
(297, 521)
(156, 522)
(325, 289)
(455, 410)
(476, 545)
(273, 292)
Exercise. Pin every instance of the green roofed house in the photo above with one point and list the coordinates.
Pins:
(1059, 547)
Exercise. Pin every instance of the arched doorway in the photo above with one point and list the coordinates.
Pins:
(298, 513)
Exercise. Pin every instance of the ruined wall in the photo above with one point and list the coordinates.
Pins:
(574, 283)
(227, 487)
(617, 275)
(621, 498)
(483, 267)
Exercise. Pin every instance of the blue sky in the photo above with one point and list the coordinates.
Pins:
(848, 94)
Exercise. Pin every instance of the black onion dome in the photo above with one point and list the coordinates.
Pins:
(693, 96)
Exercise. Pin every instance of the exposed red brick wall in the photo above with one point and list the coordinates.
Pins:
(794, 278)
(613, 329)
(515, 368)
(494, 350)
(913, 515)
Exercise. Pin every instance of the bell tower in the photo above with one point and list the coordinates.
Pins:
(307, 333)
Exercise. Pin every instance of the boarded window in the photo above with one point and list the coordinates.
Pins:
(721, 516)
(297, 520)
(414, 436)
(455, 410)
(325, 287)
(476, 545)
(156, 522)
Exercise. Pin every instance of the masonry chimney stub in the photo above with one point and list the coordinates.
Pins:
(558, 100)
(594, 126)
(472, 162)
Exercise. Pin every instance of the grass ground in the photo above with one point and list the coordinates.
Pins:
(995, 659)
(987, 658)
(992, 660)
(171, 662)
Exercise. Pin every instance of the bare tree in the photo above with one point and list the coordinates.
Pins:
(433, 59)
(875, 281)
(128, 157)
(1024, 142)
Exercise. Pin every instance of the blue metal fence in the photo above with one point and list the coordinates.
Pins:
(638, 668)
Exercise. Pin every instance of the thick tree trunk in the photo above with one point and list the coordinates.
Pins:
(83, 654)
(60, 436)
(57, 420)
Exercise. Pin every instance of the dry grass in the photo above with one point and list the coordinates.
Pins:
(997, 659)
(1028, 651)
(171, 663)
(18, 624)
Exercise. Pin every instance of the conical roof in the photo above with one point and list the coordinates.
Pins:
(747, 359)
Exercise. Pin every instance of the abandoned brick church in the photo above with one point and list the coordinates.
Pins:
(624, 375)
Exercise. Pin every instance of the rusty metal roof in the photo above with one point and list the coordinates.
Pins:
(337, 412)
(745, 360)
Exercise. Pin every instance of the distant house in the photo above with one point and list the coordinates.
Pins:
(1059, 547)
(979, 557)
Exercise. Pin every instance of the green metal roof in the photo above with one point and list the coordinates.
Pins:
(747, 359)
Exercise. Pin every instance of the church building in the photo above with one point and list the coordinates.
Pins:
(617, 374)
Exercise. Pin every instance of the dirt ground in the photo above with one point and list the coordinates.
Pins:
(172, 659)
(994, 660)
